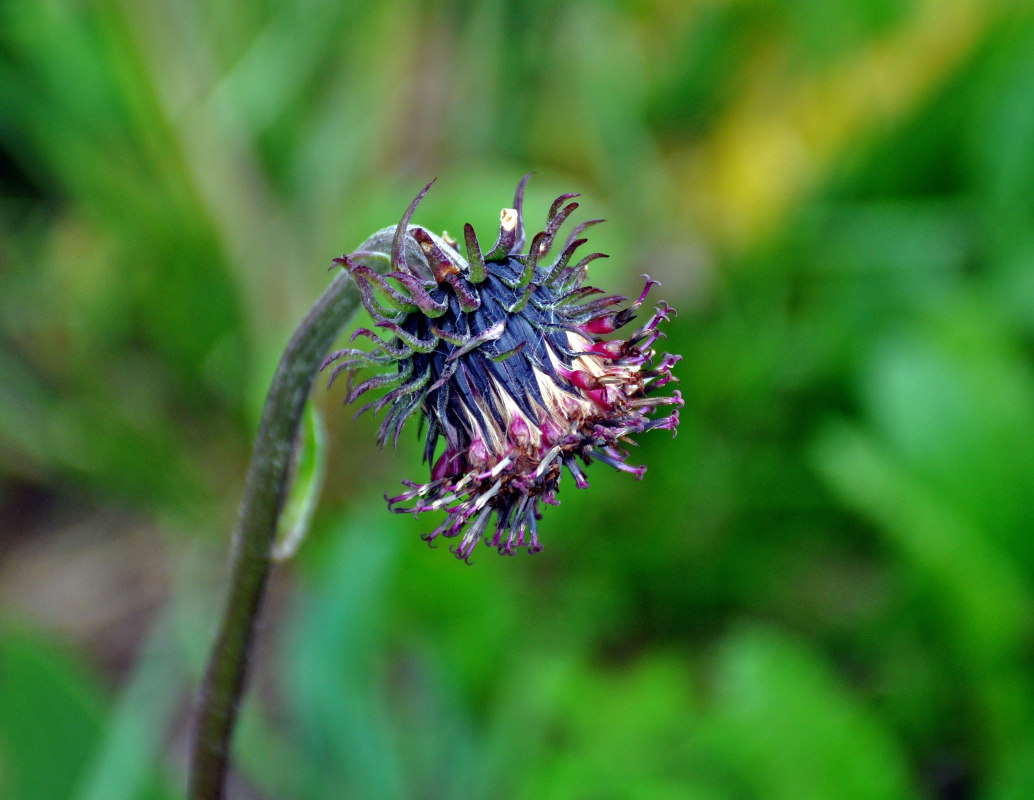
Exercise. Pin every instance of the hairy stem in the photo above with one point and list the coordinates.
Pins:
(252, 554)
(265, 491)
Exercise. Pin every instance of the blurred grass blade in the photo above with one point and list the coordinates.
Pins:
(329, 665)
(128, 760)
(794, 731)
(50, 717)
(986, 596)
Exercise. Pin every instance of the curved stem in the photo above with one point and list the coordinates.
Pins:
(265, 491)
(251, 558)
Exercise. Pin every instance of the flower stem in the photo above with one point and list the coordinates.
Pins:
(265, 491)
(252, 551)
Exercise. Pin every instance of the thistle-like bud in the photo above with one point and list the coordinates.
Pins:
(503, 354)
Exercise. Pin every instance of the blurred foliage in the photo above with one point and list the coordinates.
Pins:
(51, 714)
(823, 587)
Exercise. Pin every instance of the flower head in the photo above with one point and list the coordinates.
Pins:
(504, 355)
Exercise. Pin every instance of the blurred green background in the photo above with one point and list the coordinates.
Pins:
(823, 588)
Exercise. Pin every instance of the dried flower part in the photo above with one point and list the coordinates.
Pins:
(504, 355)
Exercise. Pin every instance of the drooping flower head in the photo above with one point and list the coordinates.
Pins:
(505, 356)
